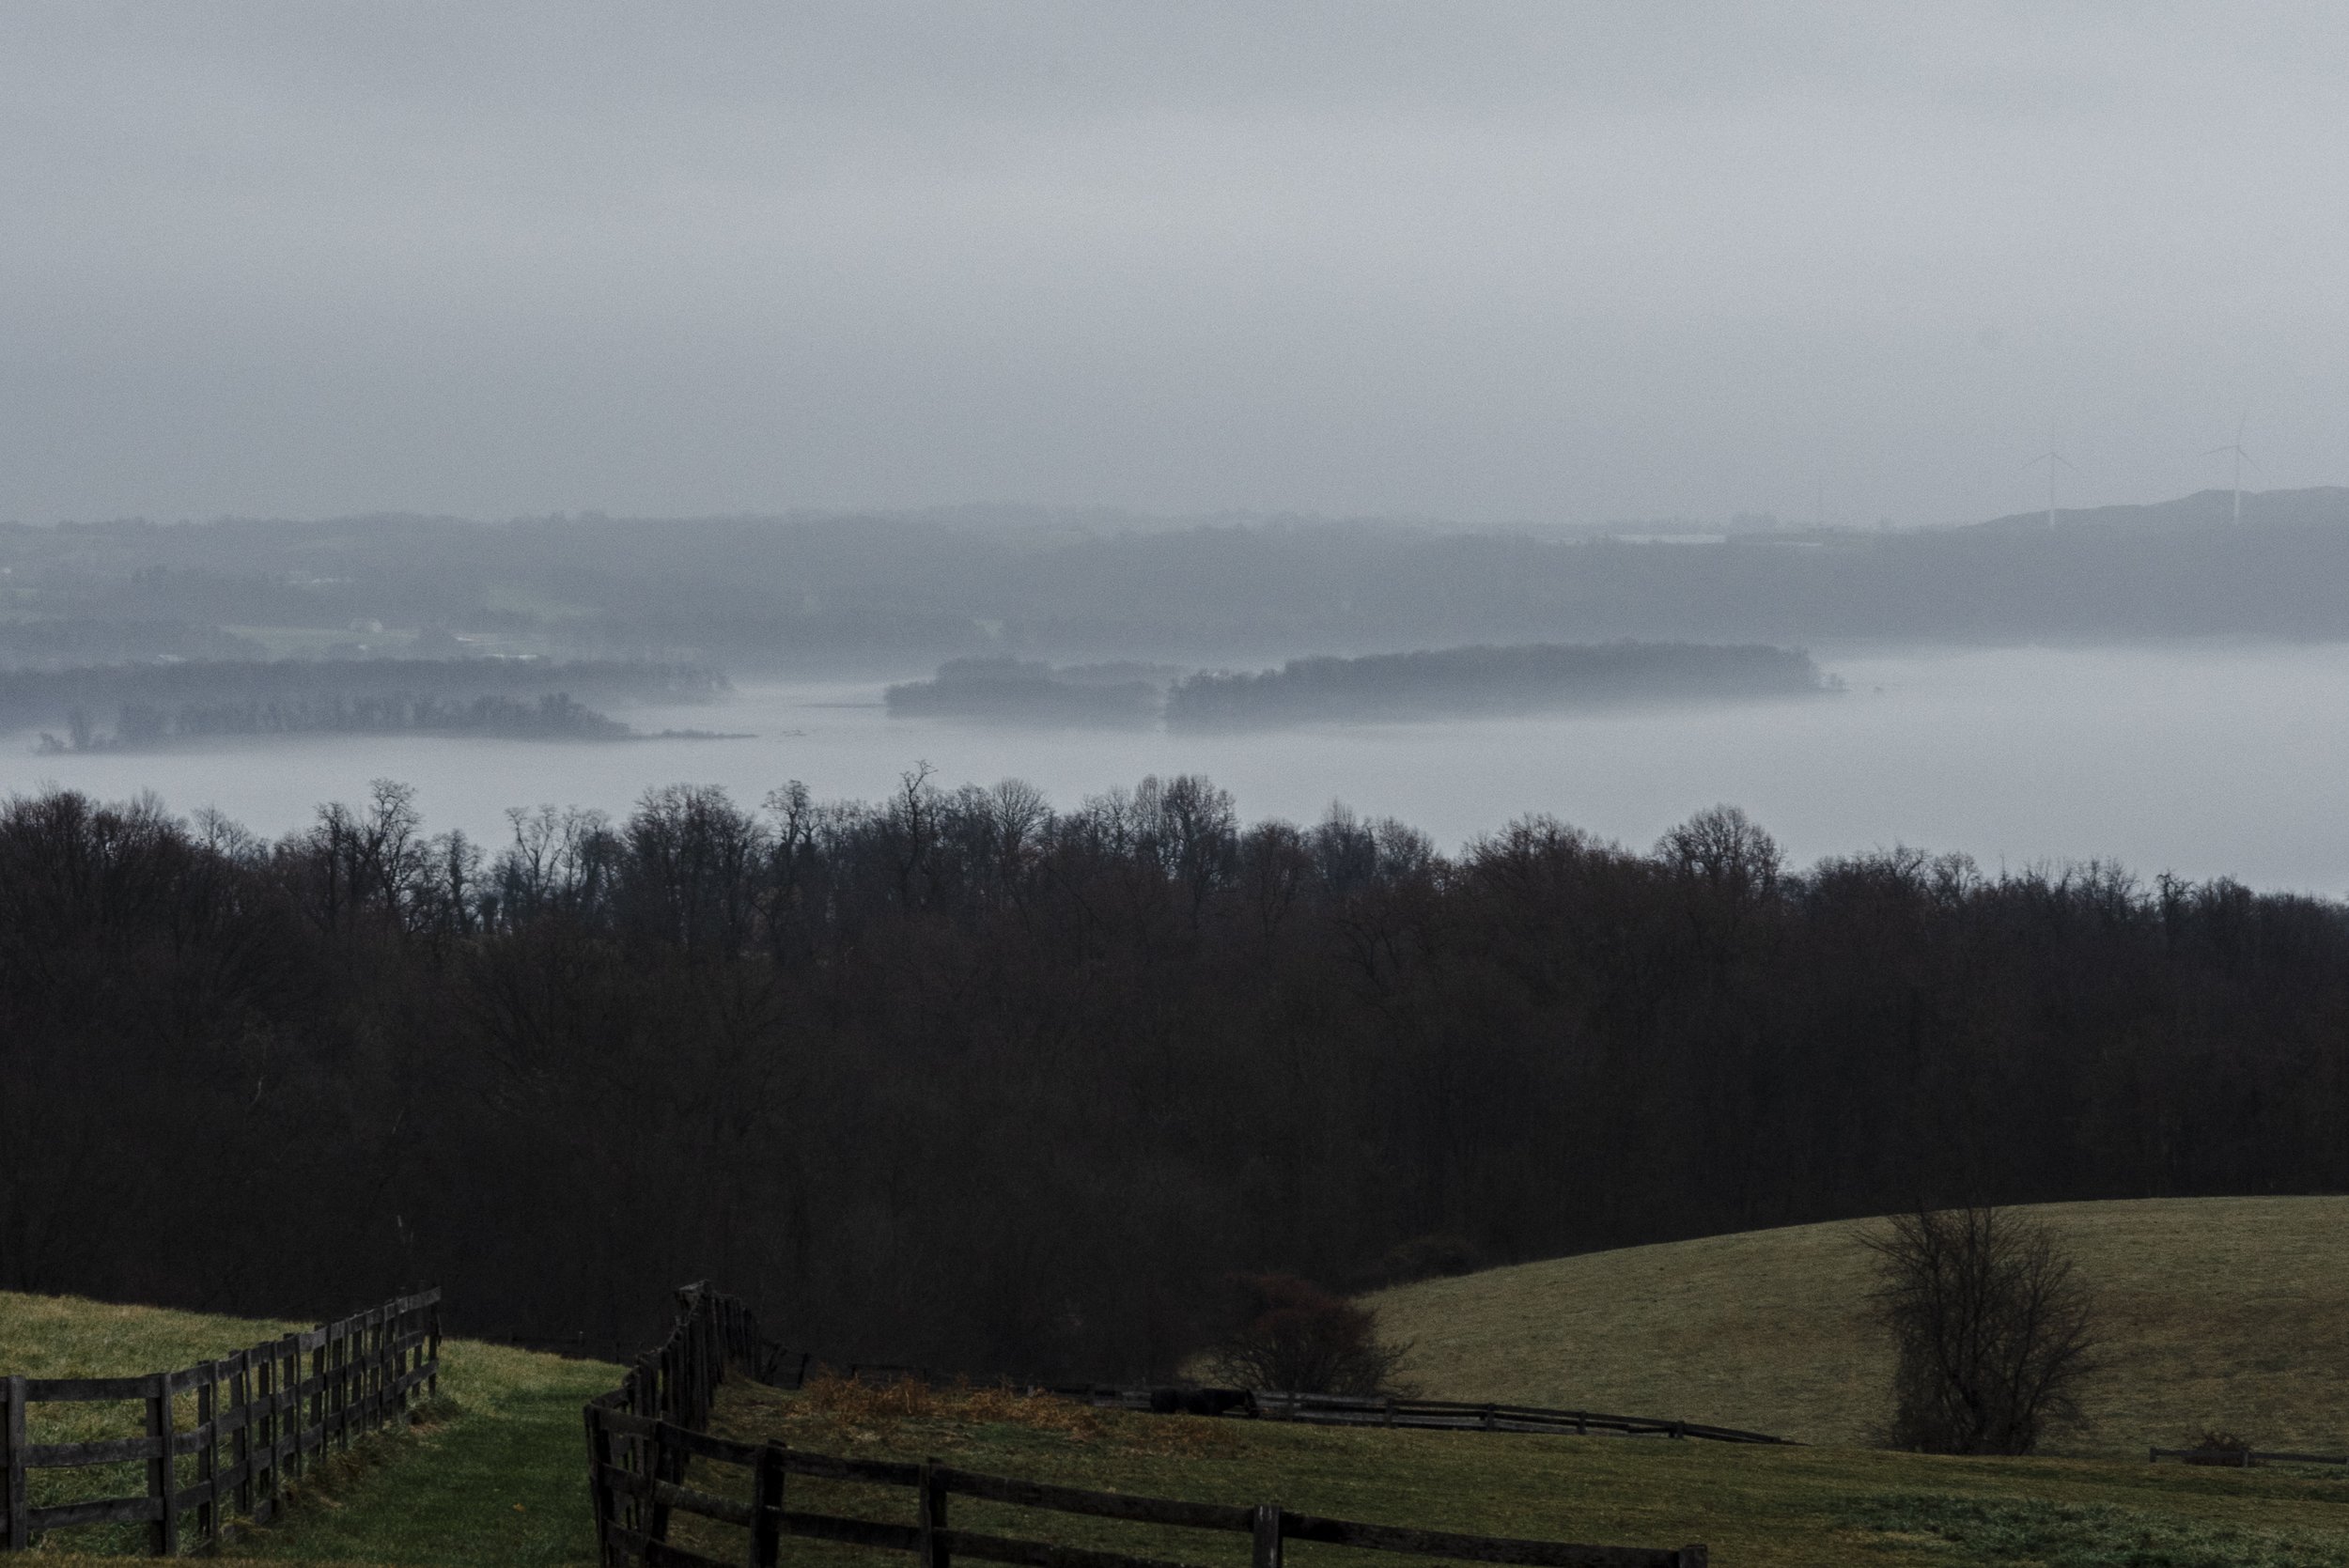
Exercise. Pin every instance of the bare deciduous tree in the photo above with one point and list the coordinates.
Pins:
(1991, 1324)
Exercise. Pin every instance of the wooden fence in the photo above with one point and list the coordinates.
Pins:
(791, 1369)
(1444, 1415)
(642, 1437)
(2243, 1458)
(259, 1416)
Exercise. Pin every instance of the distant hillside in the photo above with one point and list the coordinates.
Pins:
(2230, 1312)
(2323, 505)
(887, 595)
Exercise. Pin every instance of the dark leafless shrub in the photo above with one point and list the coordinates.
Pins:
(1992, 1329)
(2216, 1446)
(1301, 1339)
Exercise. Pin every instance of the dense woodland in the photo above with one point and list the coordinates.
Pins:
(958, 1079)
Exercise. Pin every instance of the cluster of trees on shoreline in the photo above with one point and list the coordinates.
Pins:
(960, 1080)
(1429, 684)
(1450, 683)
(150, 704)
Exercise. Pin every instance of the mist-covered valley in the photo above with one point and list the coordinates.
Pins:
(2154, 686)
(1079, 695)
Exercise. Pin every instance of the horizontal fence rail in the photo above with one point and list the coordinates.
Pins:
(1445, 1414)
(2243, 1458)
(259, 1416)
(643, 1435)
(791, 1369)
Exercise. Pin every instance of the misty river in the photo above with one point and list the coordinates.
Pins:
(2208, 760)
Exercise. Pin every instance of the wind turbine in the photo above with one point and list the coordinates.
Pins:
(2241, 457)
(2051, 458)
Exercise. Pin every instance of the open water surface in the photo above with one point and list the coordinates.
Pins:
(2204, 759)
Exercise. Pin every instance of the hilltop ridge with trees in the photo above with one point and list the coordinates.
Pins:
(960, 1078)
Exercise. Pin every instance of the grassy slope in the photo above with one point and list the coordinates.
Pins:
(492, 1479)
(1757, 1508)
(2230, 1312)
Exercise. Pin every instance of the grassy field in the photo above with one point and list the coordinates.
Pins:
(491, 1477)
(1755, 1507)
(2227, 1312)
(2222, 1312)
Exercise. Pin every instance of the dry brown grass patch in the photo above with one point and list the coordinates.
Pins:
(908, 1417)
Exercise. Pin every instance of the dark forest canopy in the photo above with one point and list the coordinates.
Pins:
(959, 1079)
(909, 590)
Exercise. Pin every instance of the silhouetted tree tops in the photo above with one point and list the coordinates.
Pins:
(958, 1079)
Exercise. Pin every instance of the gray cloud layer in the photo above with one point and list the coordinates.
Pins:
(1487, 262)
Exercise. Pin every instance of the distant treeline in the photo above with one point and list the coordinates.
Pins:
(56, 643)
(1465, 682)
(149, 703)
(881, 591)
(556, 716)
(959, 1080)
(1031, 691)
(1446, 683)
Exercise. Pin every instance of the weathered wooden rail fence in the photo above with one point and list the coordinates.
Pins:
(791, 1369)
(1445, 1414)
(2242, 1458)
(258, 1417)
(642, 1437)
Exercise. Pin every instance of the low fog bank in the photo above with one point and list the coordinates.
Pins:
(2210, 759)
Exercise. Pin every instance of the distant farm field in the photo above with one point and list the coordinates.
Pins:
(2217, 1313)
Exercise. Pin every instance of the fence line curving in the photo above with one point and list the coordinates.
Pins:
(643, 1435)
(260, 1415)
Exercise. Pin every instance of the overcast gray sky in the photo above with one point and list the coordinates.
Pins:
(1485, 261)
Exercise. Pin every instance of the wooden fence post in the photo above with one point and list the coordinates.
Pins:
(163, 1471)
(206, 1458)
(767, 1492)
(1267, 1542)
(656, 1471)
(272, 1425)
(17, 1498)
(432, 1343)
(315, 1420)
(599, 1480)
(932, 1502)
(240, 1441)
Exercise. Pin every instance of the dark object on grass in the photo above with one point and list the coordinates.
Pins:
(2221, 1448)
(1202, 1402)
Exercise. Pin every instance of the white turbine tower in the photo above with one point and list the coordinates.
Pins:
(2051, 458)
(2241, 457)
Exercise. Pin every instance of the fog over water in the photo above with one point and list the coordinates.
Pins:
(2206, 759)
